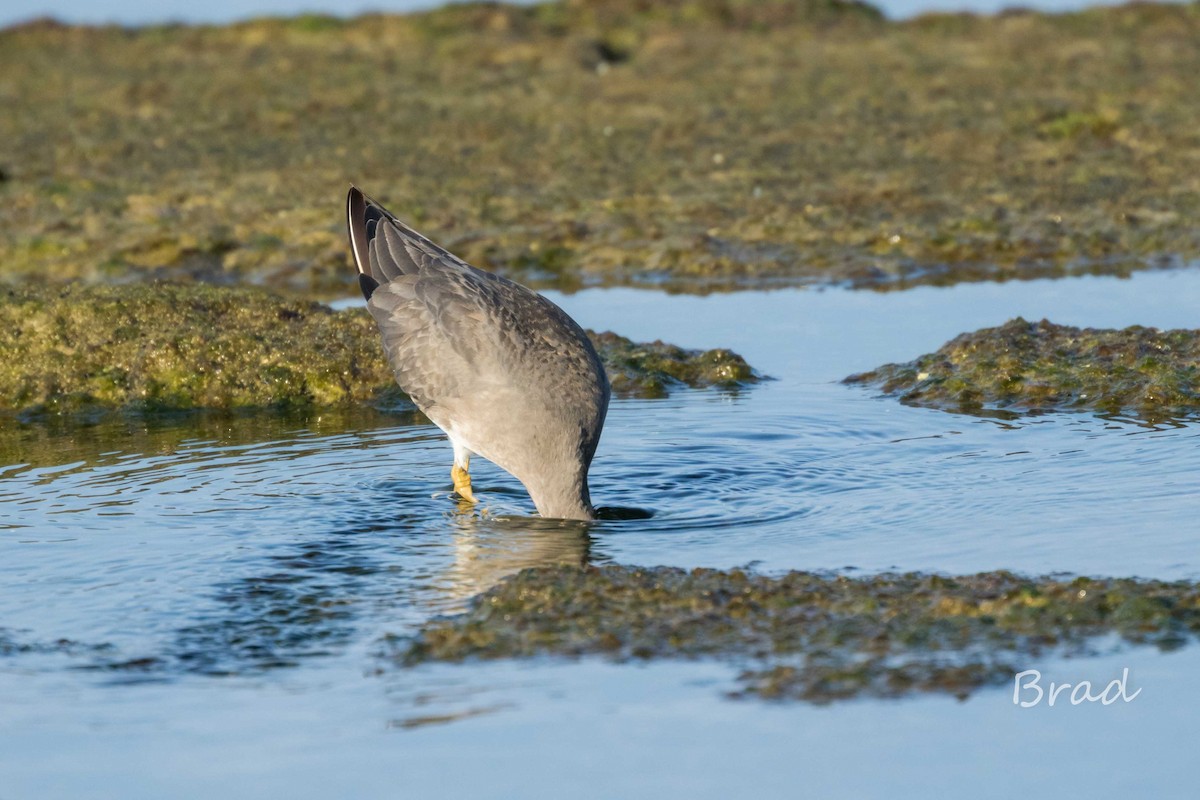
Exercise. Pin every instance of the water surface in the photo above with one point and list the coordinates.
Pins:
(194, 606)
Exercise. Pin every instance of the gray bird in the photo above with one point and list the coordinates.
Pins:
(502, 370)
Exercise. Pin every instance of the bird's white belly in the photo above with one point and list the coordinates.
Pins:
(468, 439)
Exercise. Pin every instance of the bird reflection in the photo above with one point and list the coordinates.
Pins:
(488, 549)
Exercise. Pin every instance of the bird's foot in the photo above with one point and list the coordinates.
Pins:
(462, 483)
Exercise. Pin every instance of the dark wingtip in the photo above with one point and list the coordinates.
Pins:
(367, 284)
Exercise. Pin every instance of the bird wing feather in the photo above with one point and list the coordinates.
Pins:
(451, 331)
(428, 306)
(435, 356)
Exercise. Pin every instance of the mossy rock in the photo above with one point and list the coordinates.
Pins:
(691, 144)
(1039, 366)
(652, 369)
(811, 636)
(164, 347)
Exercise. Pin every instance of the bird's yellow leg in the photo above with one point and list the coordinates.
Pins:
(462, 483)
(460, 472)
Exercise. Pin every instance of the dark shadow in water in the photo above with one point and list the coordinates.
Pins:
(619, 514)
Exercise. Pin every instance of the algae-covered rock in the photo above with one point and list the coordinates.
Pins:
(156, 347)
(694, 144)
(161, 347)
(652, 369)
(1039, 366)
(811, 636)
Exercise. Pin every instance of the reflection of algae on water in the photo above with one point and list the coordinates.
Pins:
(308, 607)
(153, 348)
(689, 143)
(1039, 366)
(810, 636)
(305, 605)
(426, 720)
(13, 643)
(54, 440)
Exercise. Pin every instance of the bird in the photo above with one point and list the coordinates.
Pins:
(505, 373)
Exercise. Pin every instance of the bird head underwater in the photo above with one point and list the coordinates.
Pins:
(505, 373)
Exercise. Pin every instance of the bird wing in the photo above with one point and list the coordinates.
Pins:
(429, 304)
(383, 246)
(435, 353)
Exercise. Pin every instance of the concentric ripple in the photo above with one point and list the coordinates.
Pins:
(216, 546)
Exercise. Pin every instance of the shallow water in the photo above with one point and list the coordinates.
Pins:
(196, 606)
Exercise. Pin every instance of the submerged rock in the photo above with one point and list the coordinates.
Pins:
(811, 636)
(161, 347)
(1039, 366)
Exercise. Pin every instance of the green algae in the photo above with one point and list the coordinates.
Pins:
(692, 144)
(1039, 366)
(652, 369)
(85, 351)
(809, 636)
(169, 347)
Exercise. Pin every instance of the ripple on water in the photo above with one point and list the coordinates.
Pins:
(168, 551)
(224, 545)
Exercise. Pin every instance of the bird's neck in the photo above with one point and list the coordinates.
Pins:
(564, 496)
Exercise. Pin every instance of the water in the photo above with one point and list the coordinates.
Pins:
(196, 607)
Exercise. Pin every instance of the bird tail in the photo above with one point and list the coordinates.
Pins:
(356, 221)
